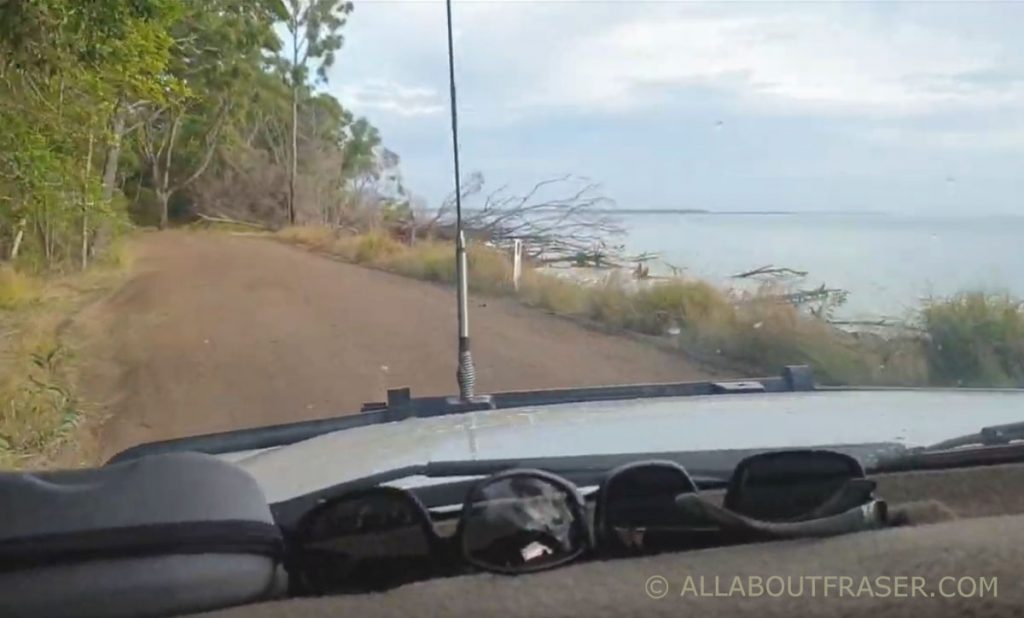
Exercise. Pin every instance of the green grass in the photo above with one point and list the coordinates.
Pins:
(975, 339)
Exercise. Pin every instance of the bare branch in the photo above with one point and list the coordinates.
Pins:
(557, 229)
(223, 219)
(211, 148)
(770, 271)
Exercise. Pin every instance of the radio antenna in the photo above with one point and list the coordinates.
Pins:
(466, 372)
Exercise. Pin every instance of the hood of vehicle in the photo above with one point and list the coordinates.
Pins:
(913, 417)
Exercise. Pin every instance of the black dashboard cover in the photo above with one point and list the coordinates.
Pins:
(156, 536)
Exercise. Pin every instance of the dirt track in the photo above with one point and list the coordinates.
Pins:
(217, 332)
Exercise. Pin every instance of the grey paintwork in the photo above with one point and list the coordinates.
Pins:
(911, 417)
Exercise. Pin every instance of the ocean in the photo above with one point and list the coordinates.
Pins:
(889, 264)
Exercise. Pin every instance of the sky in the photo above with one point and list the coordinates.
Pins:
(912, 108)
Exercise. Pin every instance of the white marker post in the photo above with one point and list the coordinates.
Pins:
(517, 263)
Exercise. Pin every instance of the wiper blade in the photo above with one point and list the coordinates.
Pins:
(996, 435)
(992, 445)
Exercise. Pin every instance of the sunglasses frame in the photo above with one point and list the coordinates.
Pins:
(301, 535)
(602, 529)
(576, 504)
(454, 546)
(738, 479)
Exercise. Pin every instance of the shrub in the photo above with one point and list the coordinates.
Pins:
(490, 270)
(375, 248)
(975, 339)
(429, 261)
(683, 303)
(552, 293)
(610, 303)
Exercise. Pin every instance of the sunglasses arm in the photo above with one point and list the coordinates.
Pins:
(868, 516)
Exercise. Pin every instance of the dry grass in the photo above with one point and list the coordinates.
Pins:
(553, 294)
(16, 289)
(312, 237)
(969, 340)
(41, 413)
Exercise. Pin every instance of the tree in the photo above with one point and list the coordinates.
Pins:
(162, 109)
(313, 26)
(218, 55)
(63, 65)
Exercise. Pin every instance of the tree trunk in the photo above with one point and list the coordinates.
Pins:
(113, 154)
(102, 234)
(17, 240)
(85, 206)
(163, 197)
(85, 240)
(294, 164)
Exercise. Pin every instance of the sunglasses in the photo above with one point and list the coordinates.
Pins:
(525, 520)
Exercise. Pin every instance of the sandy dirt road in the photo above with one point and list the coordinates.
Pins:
(216, 332)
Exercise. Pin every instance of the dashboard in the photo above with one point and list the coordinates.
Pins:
(956, 551)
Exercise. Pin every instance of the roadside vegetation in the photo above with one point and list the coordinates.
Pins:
(42, 413)
(155, 113)
(972, 339)
(975, 339)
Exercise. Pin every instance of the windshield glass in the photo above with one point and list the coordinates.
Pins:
(218, 216)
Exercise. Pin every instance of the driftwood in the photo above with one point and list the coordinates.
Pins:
(229, 220)
(801, 297)
(770, 271)
(676, 271)
(884, 323)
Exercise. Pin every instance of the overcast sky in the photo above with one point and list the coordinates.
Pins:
(912, 108)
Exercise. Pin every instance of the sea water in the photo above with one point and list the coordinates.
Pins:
(889, 264)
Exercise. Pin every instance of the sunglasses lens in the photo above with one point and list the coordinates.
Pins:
(637, 510)
(644, 496)
(784, 486)
(370, 541)
(522, 523)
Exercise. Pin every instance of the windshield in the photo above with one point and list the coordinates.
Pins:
(218, 216)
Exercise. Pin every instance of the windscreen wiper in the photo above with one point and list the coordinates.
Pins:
(995, 435)
(992, 445)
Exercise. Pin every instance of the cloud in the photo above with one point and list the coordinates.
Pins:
(804, 59)
(820, 91)
(620, 57)
(990, 139)
(381, 95)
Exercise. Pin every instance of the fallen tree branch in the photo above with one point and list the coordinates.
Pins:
(883, 322)
(561, 219)
(229, 220)
(771, 271)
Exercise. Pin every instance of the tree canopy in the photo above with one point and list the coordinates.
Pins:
(159, 111)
